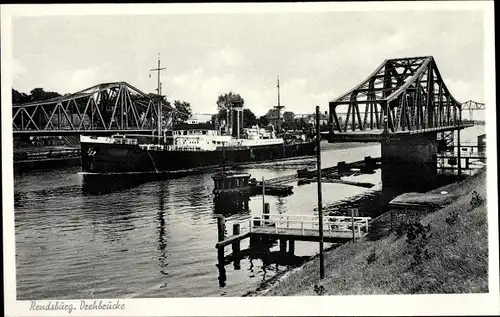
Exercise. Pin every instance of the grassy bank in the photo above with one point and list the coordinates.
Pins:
(442, 252)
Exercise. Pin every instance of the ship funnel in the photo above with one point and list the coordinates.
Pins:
(237, 117)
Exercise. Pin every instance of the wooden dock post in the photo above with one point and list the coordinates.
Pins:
(236, 244)
(267, 211)
(283, 246)
(291, 247)
(220, 233)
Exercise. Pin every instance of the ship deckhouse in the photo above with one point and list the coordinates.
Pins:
(195, 136)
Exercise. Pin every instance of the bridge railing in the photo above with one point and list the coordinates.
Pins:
(462, 154)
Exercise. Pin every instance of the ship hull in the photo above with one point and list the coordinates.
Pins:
(103, 158)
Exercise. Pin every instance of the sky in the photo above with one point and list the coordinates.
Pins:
(317, 55)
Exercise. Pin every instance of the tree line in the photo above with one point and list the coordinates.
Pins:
(37, 94)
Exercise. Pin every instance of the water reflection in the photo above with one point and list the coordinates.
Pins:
(18, 199)
(228, 206)
(106, 184)
(270, 261)
(162, 240)
(222, 274)
(280, 205)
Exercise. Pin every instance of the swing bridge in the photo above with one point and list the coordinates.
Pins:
(103, 109)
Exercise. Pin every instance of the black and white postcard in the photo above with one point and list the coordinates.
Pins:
(249, 159)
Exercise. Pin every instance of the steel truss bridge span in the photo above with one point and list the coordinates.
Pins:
(106, 108)
(472, 106)
(403, 95)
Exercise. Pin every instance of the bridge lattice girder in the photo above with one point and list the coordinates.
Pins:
(473, 106)
(407, 92)
(113, 107)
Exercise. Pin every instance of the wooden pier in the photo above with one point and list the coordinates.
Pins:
(290, 228)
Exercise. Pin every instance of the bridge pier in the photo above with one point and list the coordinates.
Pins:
(409, 162)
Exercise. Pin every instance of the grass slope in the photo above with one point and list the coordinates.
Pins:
(457, 262)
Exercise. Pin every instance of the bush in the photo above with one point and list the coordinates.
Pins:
(372, 257)
(476, 200)
(417, 237)
(452, 218)
(401, 226)
(319, 290)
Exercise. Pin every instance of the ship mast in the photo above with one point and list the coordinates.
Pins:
(279, 106)
(160, 112)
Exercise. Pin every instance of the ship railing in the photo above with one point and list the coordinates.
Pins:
(152, 147)
(125, 141)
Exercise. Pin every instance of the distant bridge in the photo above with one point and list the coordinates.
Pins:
(472, 106)
(402, 96)
(106, 108)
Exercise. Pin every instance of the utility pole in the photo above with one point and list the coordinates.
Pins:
(160, 115)
(320, 211)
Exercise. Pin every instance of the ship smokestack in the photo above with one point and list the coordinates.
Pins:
(237, 117)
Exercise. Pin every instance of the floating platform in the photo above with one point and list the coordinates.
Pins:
(229, 183)
(274, 189)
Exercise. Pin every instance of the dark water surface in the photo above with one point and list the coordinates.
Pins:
(155, 239)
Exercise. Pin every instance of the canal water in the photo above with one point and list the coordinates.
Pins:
(155, 239)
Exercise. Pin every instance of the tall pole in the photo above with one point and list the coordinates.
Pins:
(263, 195)
(160, 115)
(320, 211)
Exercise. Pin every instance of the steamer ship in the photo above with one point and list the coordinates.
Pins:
(191, 146)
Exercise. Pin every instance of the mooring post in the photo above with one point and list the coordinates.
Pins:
(236, 244)
(220, 235)
(267, 211)
(291, 247)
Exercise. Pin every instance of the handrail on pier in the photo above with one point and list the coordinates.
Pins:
(316, 217)
(333, 223)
